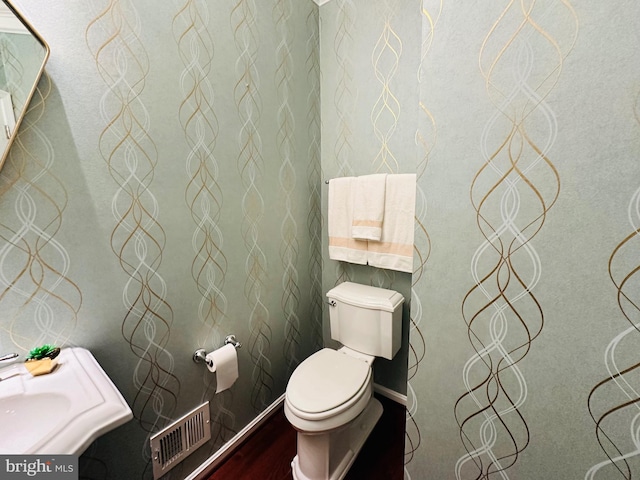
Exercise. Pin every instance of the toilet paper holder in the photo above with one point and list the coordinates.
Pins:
(200, 355)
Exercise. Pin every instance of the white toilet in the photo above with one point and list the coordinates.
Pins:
(329, 398)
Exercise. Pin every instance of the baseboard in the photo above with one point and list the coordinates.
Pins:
(390, 394)
(204, 470)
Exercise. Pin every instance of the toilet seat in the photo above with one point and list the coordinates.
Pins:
(327, 390)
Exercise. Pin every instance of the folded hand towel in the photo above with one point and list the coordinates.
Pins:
(368, 207)
(395, 249)
(340, 213)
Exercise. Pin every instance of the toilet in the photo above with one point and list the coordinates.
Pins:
(329, 398)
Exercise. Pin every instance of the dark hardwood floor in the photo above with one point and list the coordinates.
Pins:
(267, 453)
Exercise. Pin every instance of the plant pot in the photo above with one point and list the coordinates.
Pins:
(40, 367)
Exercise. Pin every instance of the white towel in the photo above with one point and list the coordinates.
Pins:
(368, 207)
(341, 245)
(395, 249)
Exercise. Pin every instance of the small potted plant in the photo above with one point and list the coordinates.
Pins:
(41, 360)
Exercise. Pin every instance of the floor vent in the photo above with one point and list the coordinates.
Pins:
(180, 439)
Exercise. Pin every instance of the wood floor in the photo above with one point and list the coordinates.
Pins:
(267, 454)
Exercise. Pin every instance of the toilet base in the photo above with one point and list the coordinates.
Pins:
(329, 455)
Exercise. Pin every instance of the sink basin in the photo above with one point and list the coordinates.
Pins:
(62, 412)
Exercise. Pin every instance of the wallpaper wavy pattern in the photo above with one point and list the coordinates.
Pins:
(386, 109)
(203, 194)
(344, 102)
(425, 137)
(289, 245)
(615, 401)
(388, 62)
(345, 93)
(314, 176)
(250, 166)
(38, 299)
(198, 160)
(138, 238)
(512, 194)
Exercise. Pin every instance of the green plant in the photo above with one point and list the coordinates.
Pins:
(45, 351)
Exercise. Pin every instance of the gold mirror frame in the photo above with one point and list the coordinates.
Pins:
(29, 85)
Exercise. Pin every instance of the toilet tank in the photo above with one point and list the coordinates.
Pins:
(366, 319)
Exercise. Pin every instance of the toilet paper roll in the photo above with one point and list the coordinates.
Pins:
(224, 362)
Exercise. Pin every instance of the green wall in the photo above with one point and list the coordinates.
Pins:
(168, 189)
(521, 120)
(159, 198)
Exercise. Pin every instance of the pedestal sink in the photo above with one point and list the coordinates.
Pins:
(61, 412)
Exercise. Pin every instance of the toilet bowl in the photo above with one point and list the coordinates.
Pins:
(327, 390)
(329, 397)
(330, 403)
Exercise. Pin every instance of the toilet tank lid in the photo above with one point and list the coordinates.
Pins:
(366, 296)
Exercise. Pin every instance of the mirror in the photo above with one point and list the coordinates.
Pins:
(23, 54)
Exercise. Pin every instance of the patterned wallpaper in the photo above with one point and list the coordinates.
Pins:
(521, 121)
(164, 192)
(367, 121)
(167, 188)
(614, 400)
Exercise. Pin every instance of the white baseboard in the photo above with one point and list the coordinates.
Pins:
(390, 394)
(227, 449)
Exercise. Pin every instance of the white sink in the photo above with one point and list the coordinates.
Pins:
(61, 412)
